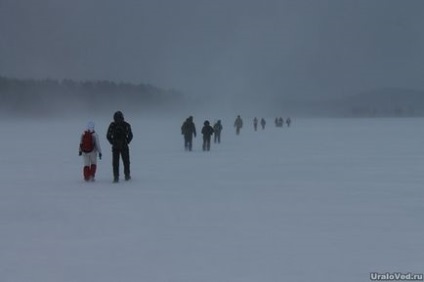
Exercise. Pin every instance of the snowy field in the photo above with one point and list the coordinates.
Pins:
(325, 200)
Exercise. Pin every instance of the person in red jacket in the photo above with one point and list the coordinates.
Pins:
(89, 148)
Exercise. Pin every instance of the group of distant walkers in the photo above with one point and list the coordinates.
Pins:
(188, 130)
(279, 122)
(255, 123)
(119, 136)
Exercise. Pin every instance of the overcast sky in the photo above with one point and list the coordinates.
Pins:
(230, 47)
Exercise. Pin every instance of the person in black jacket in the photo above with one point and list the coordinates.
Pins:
(207, 132)
(238, 124)
(255, 123)
(217, 128)
(288, 121)
(188, 129)
(263, 123)
(119, 135)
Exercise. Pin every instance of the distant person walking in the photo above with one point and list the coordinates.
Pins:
(188, 129)
(89, 148)
(263, 123)
(255, 123)
(207, 132)
(279, 122)
(217, 128)
(119, 135)
(238, 124)
(288, 121)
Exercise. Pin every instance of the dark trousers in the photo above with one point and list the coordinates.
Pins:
(125, 154)
(206, 143)
(188, 142)
(217, 137)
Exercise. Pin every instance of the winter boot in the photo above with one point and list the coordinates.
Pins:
(87, 173)
(93, 172)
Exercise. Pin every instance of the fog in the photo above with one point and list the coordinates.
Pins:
(219, 52)
(323, 199)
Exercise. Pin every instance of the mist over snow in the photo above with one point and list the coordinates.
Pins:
(335, 197)
(222, 50)
(323, 200)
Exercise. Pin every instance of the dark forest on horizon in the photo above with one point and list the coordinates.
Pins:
(50, 96)
(45, 97)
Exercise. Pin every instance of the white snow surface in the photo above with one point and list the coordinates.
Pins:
(323, 200)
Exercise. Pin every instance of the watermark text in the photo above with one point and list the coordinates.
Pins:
(396, 276)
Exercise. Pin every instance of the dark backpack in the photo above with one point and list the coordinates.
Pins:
(87, 143)
(119, 135)
(184, 128)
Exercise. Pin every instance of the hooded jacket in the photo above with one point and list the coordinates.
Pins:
(96, 147)
(119, 121)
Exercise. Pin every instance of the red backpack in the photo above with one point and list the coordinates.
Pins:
(87, 143)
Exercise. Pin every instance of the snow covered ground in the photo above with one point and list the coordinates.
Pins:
(325, 200)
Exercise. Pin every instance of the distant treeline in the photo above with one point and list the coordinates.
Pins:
(46, 97)
(49, 96)
(384, 102)
(390, 102)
